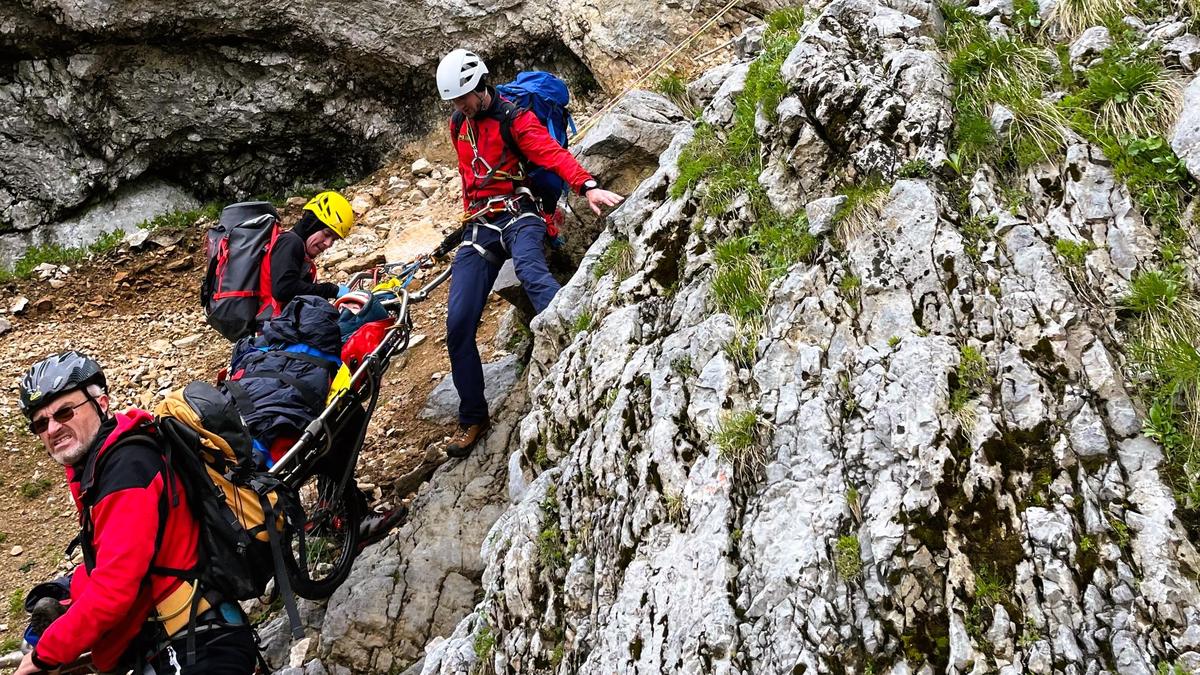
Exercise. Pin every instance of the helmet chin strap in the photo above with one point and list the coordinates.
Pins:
(479, 100)
(96, 404)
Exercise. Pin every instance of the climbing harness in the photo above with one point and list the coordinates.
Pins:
(510, 204)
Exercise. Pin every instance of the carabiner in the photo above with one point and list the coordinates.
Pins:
(487, 168)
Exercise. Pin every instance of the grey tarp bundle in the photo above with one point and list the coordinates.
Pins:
(280, 380)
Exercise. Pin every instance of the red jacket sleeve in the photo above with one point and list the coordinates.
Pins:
(537, 145)
(126, 525)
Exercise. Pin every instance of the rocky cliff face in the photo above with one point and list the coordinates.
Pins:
(231, 99)
(815, 408)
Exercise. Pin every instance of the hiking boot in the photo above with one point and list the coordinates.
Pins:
(376, 526)
(462, 442)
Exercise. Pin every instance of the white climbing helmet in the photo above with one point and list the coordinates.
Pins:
(459, 73)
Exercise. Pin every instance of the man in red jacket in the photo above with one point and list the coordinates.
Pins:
(504, 221)
(124, 604)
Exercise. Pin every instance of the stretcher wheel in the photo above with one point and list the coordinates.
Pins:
(318, 556)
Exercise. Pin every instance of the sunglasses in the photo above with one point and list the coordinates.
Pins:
(62, 416)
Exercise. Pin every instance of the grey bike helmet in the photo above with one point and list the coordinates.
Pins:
(56, 375)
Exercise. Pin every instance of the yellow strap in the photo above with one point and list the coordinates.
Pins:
(174, 610)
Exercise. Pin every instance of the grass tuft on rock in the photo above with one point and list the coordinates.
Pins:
(994, 73)
(862, 209)
(1072, 17)
(582, 323)
(1129, 93)
(969, 377)
(744, 268)
(485, 642)
(1074, 252)
(742, 348)
(736, 158)
(1163, 328)
(617, 258)
(740, 442)
(847, 560)
(672, 85)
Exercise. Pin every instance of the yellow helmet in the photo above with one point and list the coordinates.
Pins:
(334, 211)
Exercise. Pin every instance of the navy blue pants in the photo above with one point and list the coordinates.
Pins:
(471, 281)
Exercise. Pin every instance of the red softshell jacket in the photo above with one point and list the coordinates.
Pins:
(531, 137)
(110, 603)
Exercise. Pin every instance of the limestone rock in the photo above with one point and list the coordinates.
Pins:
(421, 168)
(930, 416)
(1088, 46)
(103, 96)
(821, 213)
(499, 378)
(1184, 51)
(124, 211)
(1185, 135)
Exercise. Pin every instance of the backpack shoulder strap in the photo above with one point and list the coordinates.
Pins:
(508, 114)
(169, 497)
(456, 122)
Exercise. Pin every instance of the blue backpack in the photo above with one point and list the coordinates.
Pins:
(547, 97)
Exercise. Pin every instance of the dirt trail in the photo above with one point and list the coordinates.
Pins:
(137, 313)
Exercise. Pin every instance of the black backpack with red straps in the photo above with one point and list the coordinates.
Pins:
(236, 292)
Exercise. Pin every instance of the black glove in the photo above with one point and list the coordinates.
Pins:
(448, 244)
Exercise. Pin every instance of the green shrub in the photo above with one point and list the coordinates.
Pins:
(47, 253)
(182, 220)
(1153, 292)
(33, 489)
(974, 140)
(737, 157)
(485, 642)
(682, 365)
(550, 552)
(785, 20)
(1074, 252)
(1027, 17)
(107, 242)
(977, 230)
(970, 376)
(700, 156)
(739, 283)
(582, 323)
(917, 168)
(16, 604)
